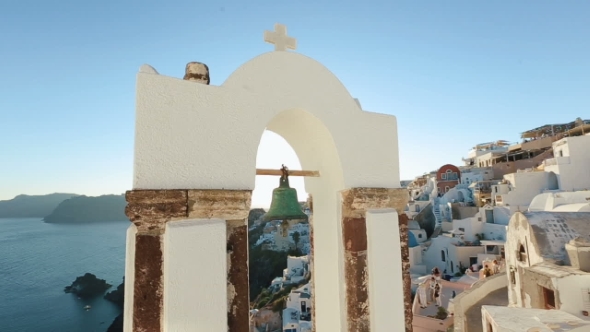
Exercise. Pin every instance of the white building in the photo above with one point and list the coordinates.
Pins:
(517, 190)
(577, 201)
(415, 252)
(417, 233)
(476, 174)
(297, 269)
(570, 163)
(548, 261)
(279, 238)
(469, 241)
(297, 314)
(482, 154)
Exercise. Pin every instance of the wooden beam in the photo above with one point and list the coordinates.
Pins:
(278, 172)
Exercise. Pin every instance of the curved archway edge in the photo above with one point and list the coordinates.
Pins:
(194, 168)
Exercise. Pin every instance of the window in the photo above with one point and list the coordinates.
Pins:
(549, 297)
(522, 254)
(419, 236)
(442, 256)
(512, 276)
(443, 176)
(561, 153)
(462, 229)
(446, 188)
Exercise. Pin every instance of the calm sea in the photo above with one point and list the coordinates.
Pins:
(37, 260)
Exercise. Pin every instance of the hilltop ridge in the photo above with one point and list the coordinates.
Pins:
(32, 206)
(84, 209)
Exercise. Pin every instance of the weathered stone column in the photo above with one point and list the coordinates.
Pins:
(150, 210)
(355, 203)
(403, 234)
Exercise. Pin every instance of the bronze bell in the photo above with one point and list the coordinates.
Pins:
(284, 204)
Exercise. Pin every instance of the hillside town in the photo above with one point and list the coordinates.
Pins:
(502, 242)
(499, 243)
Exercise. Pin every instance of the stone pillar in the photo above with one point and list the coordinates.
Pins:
(355, 203)
(403, 234)
(150, 210)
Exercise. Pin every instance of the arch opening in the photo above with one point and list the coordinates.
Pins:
(315, 149)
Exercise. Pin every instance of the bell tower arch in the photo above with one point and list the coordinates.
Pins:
(194, 170)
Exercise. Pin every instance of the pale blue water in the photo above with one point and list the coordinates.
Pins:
(37, 260)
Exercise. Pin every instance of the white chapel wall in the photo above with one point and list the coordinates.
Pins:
(244, 105)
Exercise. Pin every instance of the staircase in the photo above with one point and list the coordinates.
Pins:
(436, 211)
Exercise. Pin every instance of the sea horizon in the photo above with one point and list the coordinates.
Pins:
(39, 259)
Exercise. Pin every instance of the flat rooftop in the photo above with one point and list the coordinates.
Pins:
(510, 319)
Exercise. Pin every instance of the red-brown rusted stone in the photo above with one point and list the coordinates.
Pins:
(355, 203)
(357, 291)
(354, 233)
(148, 292)
(238, 287)
(156, 206)
(403, 233)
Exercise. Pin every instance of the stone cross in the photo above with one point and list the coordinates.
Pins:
(280, 39)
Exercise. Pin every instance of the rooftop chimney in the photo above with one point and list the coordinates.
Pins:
(578, 251)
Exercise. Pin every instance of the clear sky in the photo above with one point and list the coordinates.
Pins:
(455, 73)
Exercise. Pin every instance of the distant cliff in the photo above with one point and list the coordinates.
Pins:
(84, 209)
(28, 206)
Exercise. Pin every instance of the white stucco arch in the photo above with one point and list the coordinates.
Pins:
(313, 143)
(196, 136)
(196, 155)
